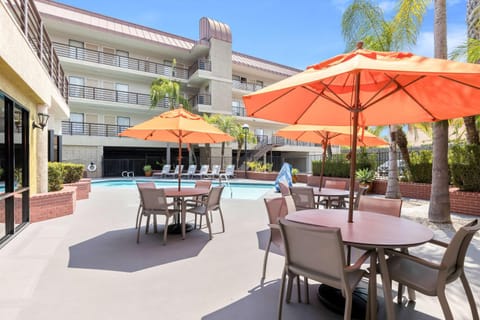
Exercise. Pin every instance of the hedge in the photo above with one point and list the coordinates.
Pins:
(464, 167)
(60, 173)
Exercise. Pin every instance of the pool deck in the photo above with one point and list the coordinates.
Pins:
(89, 266)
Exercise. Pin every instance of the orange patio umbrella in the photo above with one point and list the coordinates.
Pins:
(364, 87)
(179, 126)
(325, 135)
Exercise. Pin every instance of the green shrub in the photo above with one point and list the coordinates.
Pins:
(420, 166)
(464, 167)
(72, 172)
(55, 176)
(337, 167)
(365, 160)
(258, 166)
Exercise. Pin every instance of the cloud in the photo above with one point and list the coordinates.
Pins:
(341, 5)
(388, 6)
(456, 34)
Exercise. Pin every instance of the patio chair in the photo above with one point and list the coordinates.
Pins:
(284, 189)
(358, 195)
(141, 185)
(178, 170)
(303, 197)
(190, 171)
(328, 265)
(155, 203)
(431, 278)
(276, 208)
(215, 172)
(203, 172)
(392, 207)
(209, 204)
(229, 172)
(334, 202)
(165, 170)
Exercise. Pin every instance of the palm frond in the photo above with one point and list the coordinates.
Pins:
(408, 22)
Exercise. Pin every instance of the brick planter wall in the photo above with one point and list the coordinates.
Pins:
(465, 202)
(83, 188)
(407, 189)
(50, 205)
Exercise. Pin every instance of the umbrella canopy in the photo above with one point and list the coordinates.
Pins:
(179, 126)
(325, 135)
(366, 87)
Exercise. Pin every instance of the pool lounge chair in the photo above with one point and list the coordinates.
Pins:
(215, 172)
(166, 169)
(203, 172)
(229, 172)
(190, 172)
(174, 174)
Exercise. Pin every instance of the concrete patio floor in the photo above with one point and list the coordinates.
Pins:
(88, 266)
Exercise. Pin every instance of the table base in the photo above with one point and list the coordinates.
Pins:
(177, 228)
(332, 299)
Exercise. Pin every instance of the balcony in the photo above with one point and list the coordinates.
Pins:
(113, 60)
(246, 86)
(200, 99)
(200, 64)
(28, 19)
(101, 94)
(239, 111)
(91, 129)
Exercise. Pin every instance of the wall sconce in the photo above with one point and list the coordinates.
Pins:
(42, 120)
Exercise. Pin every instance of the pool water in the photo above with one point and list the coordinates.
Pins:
(236, 190)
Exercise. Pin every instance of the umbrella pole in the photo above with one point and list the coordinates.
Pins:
(353, 159)
(179, 163)
(324, 157)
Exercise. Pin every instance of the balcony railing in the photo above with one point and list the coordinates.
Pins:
(101, 94)
(28, 19)
(280, 141)
(246, 86)
(114, 60)
(91, 129)
(239, 111)
(202, 64)
(202, 98)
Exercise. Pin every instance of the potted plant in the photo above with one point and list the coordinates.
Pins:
(294, 175)
(365, 177)
(147, 169)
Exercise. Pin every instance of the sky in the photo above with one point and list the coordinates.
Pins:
(294, 33)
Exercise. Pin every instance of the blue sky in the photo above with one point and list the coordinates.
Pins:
(294, 33)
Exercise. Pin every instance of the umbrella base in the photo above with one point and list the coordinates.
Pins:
(332, 299)
(177, 228)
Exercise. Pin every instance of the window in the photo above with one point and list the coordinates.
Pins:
(122, 58)
(168, 71)
(76, 120)
(76, 87)
(122, 92)
(123, 123)
(76, 49)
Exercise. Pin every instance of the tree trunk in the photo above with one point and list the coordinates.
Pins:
(393, 187)
(208, 153)
(240, 147)
(402, 144)
(472, 132)
(439, 210)
(222, 155)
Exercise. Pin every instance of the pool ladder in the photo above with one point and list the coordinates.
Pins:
(227, 183)
(128, 174)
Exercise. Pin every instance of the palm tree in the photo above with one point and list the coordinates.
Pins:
(239, 134)
(169, 91)
(226, 124)
(439, 210)
(364, 20)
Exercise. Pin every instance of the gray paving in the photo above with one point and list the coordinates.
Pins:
(88, 266)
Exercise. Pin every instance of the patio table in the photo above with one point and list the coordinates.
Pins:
(179, 195)
(371, 231)
(329, 193)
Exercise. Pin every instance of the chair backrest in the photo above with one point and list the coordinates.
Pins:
(303, 197)
(192, 168)
(178, 169)
(214, 197)
(205, 184)
(392, 207)
(276, 209)
(454, 256)
(360, 192)
(284, 189)
(216, 169)
(230, 170)
(302, 252)
(335, 184)
(290, 203)
(143, 185)
(153, 199)
(204, 169)
(166, 168)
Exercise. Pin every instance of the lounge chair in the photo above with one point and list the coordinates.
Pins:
(190, 172)
(203, 171)
(174, 174)
(165, 170)
(215, 172)
(229, 172)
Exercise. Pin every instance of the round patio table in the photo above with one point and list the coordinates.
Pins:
(330, 193)
(371, 231)
(179, 195)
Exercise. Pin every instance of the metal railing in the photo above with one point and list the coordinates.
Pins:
(91, 129)
(201, 98)
(28, 19)
(246, 86)
(239, 111)
(114, 60)
(94, 93)
(202, 64)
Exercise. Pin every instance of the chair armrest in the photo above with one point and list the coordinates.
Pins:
(414, 258)
(359, 262)
(439, 243)
(274, 226)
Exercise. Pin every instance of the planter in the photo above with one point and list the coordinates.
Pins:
(148, 173)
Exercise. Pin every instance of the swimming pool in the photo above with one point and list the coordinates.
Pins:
(236, 190)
